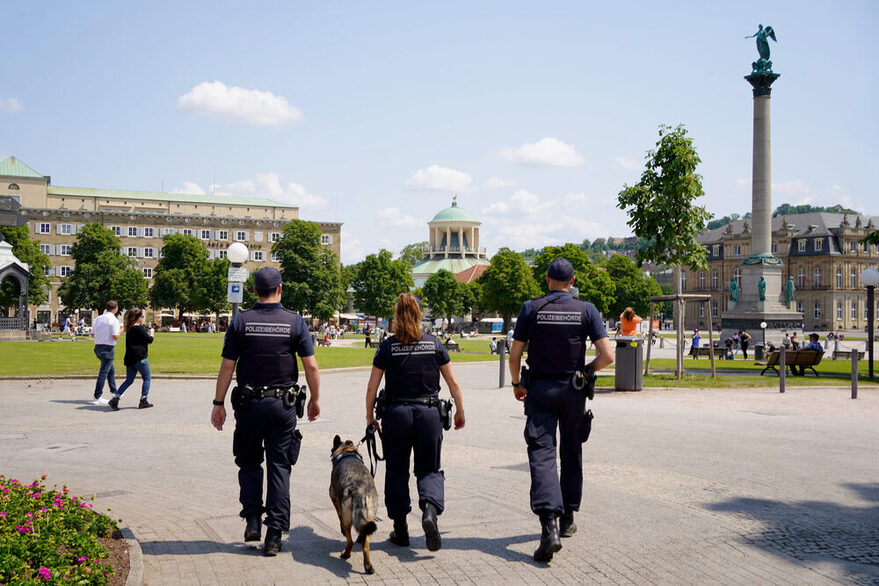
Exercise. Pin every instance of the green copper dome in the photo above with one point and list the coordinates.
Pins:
(454, 214)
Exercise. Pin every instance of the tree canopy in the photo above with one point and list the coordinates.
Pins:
(27, 251)
(506, 284)
(180, 279)
(101, 273)
(443, 295)
(594, 284)
(633, 287)
(310, 271)
(661, 205)
(411, 253)
(378, 281)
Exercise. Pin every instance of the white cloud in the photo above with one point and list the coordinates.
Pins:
(547, 152)
(439, 178)
(394, 217)
(11, 105)
(524, 200)
(266, 185)
(498, 183)
(496, 209)
(626, 163)
(189, 187)
(217, 100)
(575, 201)
(353, 250)
(790, 188)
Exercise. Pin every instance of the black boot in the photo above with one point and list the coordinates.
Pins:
(400, 534)
(272, 544)
(431, 531)
(567, 527)
(144, 404)
(549, 539)
(253, 530)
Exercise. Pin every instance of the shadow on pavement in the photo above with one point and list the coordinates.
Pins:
(816, 531)
(498, 547)
(196, 547)
(314, 550)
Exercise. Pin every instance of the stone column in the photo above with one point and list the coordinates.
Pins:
(761, 180)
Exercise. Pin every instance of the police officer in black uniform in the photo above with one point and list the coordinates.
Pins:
(264, 342)
(411, 363)
(556, 327)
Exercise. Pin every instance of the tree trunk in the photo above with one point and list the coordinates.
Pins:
(679, 324)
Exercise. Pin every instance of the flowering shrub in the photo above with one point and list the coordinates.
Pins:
(50, 537)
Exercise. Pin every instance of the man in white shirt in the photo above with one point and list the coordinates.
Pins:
(105, 331)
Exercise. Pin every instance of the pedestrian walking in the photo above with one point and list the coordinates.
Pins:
(263, 343)
(556, 327)
(137, 341)
(744, 338)
(411, 362)
(695, 341)
(105, 331)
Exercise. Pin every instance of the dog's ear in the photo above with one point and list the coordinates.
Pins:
(337, 441)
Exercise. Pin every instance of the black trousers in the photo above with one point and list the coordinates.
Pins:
(550, 405)
(407, 428)
(266, 428)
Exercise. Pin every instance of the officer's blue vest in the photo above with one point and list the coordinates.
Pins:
(267, 339)
(556, 344)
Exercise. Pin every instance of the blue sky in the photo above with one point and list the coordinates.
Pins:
(374, 114)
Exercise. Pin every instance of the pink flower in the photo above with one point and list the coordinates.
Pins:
(45, 573)
(36, 495)
(82, 559)
(44, 476)
(87, 570)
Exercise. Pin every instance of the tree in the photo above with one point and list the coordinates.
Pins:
(378, 282)
(311, 273)
(506, 284)
(27, 251)
(442, 295)
(212, 294)
(661, 208)
(101, 273)
(633, 287)
(594, 284)
(411, 253)
(180, 276)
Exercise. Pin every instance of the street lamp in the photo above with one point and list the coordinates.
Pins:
(870, 278)
(237, 255)
(763, 327)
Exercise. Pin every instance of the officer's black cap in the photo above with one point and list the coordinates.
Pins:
(560, 270)
(267, 278)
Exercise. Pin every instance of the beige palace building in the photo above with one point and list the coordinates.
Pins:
(821, 251)
(140, 219)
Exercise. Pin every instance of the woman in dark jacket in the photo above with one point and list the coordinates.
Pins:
(137, 341)
(411, 363)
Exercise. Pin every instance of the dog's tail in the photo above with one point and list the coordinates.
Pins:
(364, 522)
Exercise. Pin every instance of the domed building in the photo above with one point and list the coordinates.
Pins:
(453, 245)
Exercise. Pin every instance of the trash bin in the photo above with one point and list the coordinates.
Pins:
(629, 363)
(759, 351)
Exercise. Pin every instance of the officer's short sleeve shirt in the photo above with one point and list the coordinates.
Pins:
(412, 370)
(592, 326)
(234, 338)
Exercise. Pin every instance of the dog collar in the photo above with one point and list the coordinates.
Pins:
(346, 454)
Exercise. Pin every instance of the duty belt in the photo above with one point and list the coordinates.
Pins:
(429, 400)
(554, 376)
(268, 392)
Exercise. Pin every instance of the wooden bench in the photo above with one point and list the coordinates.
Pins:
(806, 358)
(703, 351)
(847, 354)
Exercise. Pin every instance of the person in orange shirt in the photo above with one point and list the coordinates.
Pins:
(629, 320)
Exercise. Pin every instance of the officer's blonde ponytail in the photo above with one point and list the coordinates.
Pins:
(407, 319)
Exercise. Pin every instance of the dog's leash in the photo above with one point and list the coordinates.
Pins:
(372, 448)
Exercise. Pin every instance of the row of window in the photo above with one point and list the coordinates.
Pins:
(800, 281)
(817, 243)
(150, 232)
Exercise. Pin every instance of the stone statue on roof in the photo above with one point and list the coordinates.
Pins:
(763, 64)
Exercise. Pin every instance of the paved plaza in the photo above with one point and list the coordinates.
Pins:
(682, 486)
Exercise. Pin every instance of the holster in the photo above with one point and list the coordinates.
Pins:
(381, 405)
(525, 377)
(445, 412)
(240, 397)
(300, 400)
(586, 425)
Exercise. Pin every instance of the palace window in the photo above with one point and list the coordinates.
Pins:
(147, 273)
(205, 234)
(801, 245)
(853, 276)
(853, 246)
(817, 310)
(222, 235)
(714, 280)
(816, 278)
(715, 250)
(47, 272)
(274, 236)
(800, 306)
(149, 252)
(737, 275)
(117, 230)
(45, 228)
(701, 309)
(167, 231)
(276, 257)
(149, 232)
(65, 228)
(774, 248)
(65, 271)
(132, 251)
(187, 231)
(221, 254)
(258, 255)
(819, 244)
(839, 277)
(701, 281)
(854, 314)
(714, 309)
(801, 277)
(839, 310)
(737, 250)
(326, 238)
(132, 231)
(240, 236)
(683, 281)
(866, 247)
(65, 250)
(46, 248)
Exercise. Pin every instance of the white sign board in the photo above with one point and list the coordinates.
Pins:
(235, 293)
(237, 274)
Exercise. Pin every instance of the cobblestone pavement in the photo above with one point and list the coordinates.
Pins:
(691, 486)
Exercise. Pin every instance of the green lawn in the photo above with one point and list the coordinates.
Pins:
(174, 354)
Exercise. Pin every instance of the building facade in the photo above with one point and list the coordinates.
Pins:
(140, 219)
(821, 251)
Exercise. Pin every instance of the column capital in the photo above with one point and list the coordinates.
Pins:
(761, 82)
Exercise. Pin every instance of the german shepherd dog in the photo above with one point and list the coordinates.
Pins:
(353, 493)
